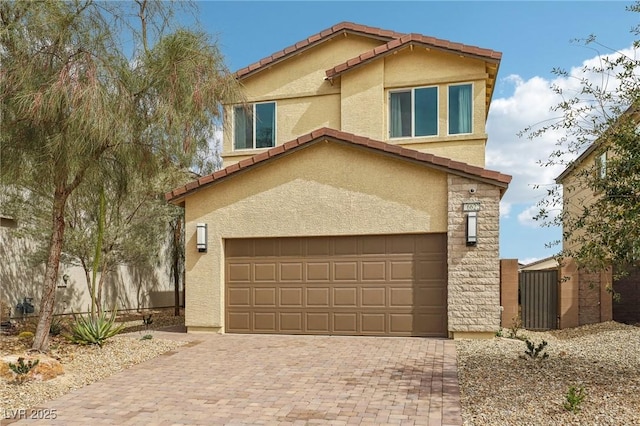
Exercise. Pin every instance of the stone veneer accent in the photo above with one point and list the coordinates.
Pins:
(474, 271)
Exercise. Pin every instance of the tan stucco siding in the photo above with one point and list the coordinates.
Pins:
(465, 150)
(577, 194)
(325, 189)
(304, 74)
(294, 117)
(362, 101)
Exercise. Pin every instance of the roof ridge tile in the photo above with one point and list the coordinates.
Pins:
(447, 164)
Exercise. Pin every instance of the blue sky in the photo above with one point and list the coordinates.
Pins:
(534, 37)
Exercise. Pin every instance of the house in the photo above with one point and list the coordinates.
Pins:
(354, 197)
(585, 296)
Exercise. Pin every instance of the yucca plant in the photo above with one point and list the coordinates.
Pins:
(94, 329)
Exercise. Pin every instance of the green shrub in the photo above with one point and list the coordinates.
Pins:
(56, 327)
(26, 337)
(574, 398)
(535, 352)
(94, 330)
(22, 368)
(146, 337)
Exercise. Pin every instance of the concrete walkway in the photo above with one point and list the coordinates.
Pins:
(268, 379)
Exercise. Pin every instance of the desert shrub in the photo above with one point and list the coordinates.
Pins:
(94, 330)
(573, 398)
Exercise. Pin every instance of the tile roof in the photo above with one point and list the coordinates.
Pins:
(324, 35)
(439, 163)
(413, 39)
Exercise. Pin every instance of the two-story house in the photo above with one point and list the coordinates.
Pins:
(353, 198)
(586, 296)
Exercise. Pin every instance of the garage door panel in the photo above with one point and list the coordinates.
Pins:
(346, 246)
(373, 323)
(291, 271)
(239, 272)
(291, 247)
(291, 322)
(345, 297)
(373, 297)
(430, 296)
(366, 285)
(264, 322)
(345, 271)
(291, 297)
(264, 297)
(265, 247)
(373, 271)
(239, 321)
(345, 323)
(431, 269)
(318, 297)
(265, 272)
(401, 323)
(239, 297)
(401, 270)
(374, 245)
(401, 297)
(317, 322)
(318, 271)
(319, 247)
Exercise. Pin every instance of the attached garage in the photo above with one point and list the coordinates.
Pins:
(389, 285)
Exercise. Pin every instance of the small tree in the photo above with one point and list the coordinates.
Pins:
(600, 118)
(74, 95)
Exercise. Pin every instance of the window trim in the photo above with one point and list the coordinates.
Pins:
(469, 83)
(253, 123)
(412, 90)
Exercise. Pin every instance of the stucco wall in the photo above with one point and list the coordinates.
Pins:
(474, 271)
(125, 288)
(324, 189)
(357, 101)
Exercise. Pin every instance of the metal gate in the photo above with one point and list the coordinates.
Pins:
(539, 299)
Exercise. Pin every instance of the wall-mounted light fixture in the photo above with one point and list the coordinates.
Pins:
(201, 237)
(472, 228)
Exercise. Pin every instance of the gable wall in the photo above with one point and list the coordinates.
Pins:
(357, 101)
(326, 189)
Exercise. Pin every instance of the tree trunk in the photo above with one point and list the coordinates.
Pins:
(41, 339)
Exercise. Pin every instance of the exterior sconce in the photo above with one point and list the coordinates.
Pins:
(472, 228)
(65, 281)
(201, 237)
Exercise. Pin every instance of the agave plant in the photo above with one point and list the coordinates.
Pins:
(94, 330)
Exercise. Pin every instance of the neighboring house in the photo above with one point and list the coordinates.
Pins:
(353, 198)
(584, 296)
(548, 263)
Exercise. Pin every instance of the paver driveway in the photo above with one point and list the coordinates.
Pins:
(268, 379)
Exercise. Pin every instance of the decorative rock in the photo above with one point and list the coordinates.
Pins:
(47, 368)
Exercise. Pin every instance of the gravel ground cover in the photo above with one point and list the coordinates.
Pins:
(500, 385)
(82, 365)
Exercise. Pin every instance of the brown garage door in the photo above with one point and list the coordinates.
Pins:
(366, 285)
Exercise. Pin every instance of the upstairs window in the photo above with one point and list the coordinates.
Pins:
(255, 126)
(413, 112)
(460, 109)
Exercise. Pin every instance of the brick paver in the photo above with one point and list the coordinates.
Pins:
(268, 379)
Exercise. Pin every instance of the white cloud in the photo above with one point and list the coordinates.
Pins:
(505, 209)
(526, 217)
(530, 104)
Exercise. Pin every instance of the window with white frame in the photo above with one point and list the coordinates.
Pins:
(413, 112)
(255, 126)
(460, 109)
